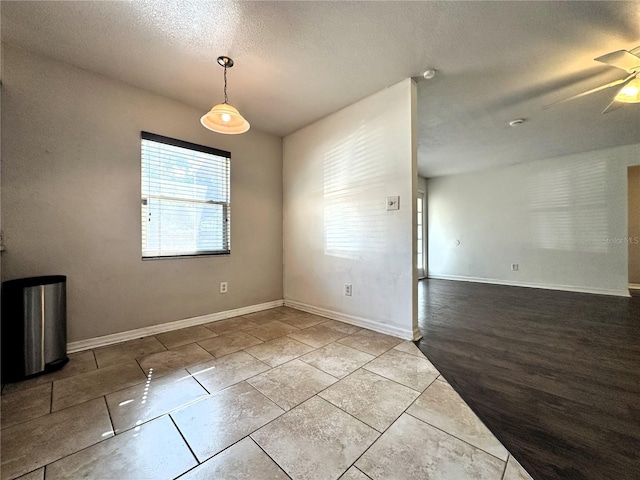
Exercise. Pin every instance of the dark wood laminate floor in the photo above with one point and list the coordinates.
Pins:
(555, 375)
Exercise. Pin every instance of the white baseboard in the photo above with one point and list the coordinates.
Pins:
(166, 327)
(407, 334)
(565, 288)
(634, 286)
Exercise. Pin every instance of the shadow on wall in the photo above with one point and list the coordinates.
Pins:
(568, 208)
(354, 179)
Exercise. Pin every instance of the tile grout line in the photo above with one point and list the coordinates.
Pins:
(376, 440)
(298, 357)
(104, 394)
(390, 425)
(265, 452)
(385, 430)
(504, 472)
(2, 428)
(113, 427)
(387, 378)
(146, 374)
(116, 391)
(462, 440)
(227, 447)
(185, 368)
(339, 408)
(284, 412)
(472, 410)
(198, 381)
(185, 442)
(267, 396)
(84, 448)
(288, 338)
(209, 393)
(360, 470)
(89, 400)
(191, 402)
(168, 413)
(239, 440)
(236, 331)
(32, 471)
(109, 411)
(360, 350)
(337, 378)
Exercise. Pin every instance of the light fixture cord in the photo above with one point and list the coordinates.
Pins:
(225, 83)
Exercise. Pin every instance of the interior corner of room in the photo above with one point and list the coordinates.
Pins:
(499, 146)
(70, 196)
(71, 204)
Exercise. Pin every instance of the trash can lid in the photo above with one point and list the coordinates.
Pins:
(34, 281)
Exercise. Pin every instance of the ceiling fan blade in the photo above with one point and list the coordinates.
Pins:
(615, 105)
(594, 90)
(621, 59)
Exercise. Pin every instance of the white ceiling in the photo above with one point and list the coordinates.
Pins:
(297, 62)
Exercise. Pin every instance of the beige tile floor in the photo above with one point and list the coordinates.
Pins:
(273, 395)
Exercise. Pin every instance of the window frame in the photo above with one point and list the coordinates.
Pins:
(421, 238)
(144, 198)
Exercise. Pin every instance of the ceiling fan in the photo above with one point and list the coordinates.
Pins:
(629, 91)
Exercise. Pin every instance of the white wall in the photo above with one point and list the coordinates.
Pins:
(71, 200)
(337, 175)
(563, 220)
(634, 225)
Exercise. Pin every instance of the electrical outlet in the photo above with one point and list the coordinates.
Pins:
(348, 289)
(393, 203)
(223, 287)
(514, 267)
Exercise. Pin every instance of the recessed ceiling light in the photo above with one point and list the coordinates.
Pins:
(429, 74)
(516, 122)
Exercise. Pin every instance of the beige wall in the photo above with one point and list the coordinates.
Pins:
(634, 225)
(71, 200)
(337, 175)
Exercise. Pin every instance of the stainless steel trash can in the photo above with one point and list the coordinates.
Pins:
(34, 326)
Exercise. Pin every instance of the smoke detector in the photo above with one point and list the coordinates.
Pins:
(429, 74)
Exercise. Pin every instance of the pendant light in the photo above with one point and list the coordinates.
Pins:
(223, 118)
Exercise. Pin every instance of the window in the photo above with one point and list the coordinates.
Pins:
(420, 236)
(185, 198)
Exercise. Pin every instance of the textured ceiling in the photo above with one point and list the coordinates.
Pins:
(297, 62)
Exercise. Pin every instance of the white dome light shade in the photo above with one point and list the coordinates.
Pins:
(223, 118)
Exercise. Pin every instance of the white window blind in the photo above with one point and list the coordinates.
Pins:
(185, 198)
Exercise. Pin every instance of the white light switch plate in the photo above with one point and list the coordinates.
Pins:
(393, 203)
